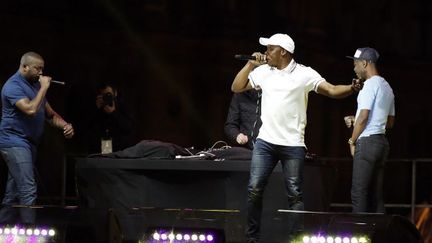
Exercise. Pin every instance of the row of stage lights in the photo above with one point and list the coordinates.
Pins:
(334, 239)
(22, 231)
(180, 237)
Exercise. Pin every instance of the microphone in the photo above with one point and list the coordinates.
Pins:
(250, 57)
(58, 82)
(245, 57)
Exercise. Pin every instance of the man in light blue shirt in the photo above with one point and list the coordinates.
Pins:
(368, 144)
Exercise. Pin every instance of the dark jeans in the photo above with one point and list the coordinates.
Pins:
(368, 174)
(21, 184)
(264, 158)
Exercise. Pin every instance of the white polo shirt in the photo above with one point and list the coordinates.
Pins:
(284, 101)
(377, 97)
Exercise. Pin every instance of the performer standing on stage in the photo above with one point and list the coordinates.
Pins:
(24, 112)
(285, 85)
(368, 144)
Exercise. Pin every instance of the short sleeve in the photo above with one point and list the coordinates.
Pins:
(313, 79)
(366, 97)
(392, 109)
(13, 93)
(258, 75)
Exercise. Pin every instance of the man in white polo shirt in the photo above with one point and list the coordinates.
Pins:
(368, 144)
(285, 85)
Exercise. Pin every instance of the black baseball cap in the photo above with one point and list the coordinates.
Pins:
(365, 53)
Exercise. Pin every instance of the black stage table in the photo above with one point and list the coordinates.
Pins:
(106, 182)
(123, 186)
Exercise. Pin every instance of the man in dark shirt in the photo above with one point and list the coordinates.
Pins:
(111, 125)
(243, 120)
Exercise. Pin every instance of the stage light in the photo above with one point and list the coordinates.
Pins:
(319, 227)
(322, 238)
(19, 233)
(182, 235)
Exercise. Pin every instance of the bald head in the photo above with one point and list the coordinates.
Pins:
(30, 58)
(31, 66)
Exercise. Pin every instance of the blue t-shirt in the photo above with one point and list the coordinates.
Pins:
(16, 128)
(377, 97)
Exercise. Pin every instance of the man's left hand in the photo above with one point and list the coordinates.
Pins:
(68, 131)
(352, 149)
(357, 84)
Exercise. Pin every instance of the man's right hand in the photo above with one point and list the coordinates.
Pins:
(260, 59)
(45, 81)
(242, 139)
(349, 121)
(99, 101)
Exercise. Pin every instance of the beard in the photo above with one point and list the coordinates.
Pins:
(33, 79)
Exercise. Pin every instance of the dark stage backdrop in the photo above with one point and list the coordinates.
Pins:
(173, 62)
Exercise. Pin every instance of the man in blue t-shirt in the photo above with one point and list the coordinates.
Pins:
(368, 144)
(24, 112)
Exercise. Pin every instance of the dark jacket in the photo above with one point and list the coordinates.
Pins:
(243, 112)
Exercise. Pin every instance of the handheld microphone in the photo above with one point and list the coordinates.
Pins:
(245, 57)
(58, 82)
(250, 57)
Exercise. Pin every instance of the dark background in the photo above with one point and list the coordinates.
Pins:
(173, 62)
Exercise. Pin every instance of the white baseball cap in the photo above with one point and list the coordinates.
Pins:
(282, 40)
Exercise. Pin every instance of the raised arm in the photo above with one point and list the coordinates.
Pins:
(241, 80)
(339, 91)
(335, 91)
(31, 107)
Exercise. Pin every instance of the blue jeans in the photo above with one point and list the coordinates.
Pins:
(368, 174)
(265, 156)
(21, 184)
